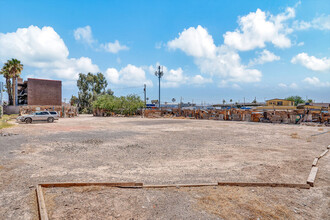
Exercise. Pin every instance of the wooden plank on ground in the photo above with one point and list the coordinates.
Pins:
(256, 184)
(129, 184)
(324, 153)
(315, 162)
(180, 185)
(312, 176)
(41, 204)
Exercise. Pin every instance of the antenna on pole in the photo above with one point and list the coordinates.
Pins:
(159, 73)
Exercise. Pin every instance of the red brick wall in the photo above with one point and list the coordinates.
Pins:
(44, 92)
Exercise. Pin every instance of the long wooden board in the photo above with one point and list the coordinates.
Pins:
(256, 184)
(312, 176)
(315, 162)
(324, 153)
(180, 185)
(41, 204)
(129, 184)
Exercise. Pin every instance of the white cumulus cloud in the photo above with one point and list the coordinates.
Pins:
(200, 80)
(311, 62)
(321, 22)
(292, 85)
(221, 61)
(84, 35)
(174, 78)
(264, 57)
(45, 50)
(114, 47)
(130, 76)
(316, 82)
(258, 28)
(194, 42)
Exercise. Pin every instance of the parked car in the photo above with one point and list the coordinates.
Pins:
(38, 116)
(55, 115)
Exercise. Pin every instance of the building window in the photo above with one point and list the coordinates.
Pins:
(279, 103)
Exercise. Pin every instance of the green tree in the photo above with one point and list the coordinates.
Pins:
(297, 99)
(15, 69)
(74, 100)
(127, 105)
(90, 87)
(109, 92)
(309, 100)
(11, 70)
(5, 73)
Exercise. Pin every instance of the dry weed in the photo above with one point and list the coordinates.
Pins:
(294, 135)
(241, 203)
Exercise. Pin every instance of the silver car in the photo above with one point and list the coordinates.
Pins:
(55, 115)
(38, 116)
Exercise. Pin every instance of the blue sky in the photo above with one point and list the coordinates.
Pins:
(210, 50)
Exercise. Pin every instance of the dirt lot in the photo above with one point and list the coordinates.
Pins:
(163, 151)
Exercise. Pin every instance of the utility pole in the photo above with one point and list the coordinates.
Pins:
(159, 74)
(145, 99)
(145, 95)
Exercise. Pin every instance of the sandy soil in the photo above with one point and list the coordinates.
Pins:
(161, 151)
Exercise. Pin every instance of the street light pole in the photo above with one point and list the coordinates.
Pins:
(159, 73)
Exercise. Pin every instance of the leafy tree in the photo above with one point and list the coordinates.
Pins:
(90, 86)
(11, 70)
(297, 99)
(126, 105)
(309, 100)
(223, 101)
(74, 100)
(109, 92)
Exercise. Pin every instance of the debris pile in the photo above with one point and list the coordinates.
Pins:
(272, 116)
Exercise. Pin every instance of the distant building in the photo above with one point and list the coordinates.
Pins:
(315, 106)
(279, 102)
(39, 92)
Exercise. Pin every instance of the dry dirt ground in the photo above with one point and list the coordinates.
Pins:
(163, 151)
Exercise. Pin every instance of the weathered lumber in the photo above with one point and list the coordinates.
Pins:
(41, 203)
(315, 162)
(324, 153)
(312, 176)
(320, 133)
(129, 184)
(256, 184)
(180, 185)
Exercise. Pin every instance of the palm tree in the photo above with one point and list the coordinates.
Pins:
(15, 69)
(6, 74)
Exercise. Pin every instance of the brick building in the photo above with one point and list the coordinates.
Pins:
(39, 92)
